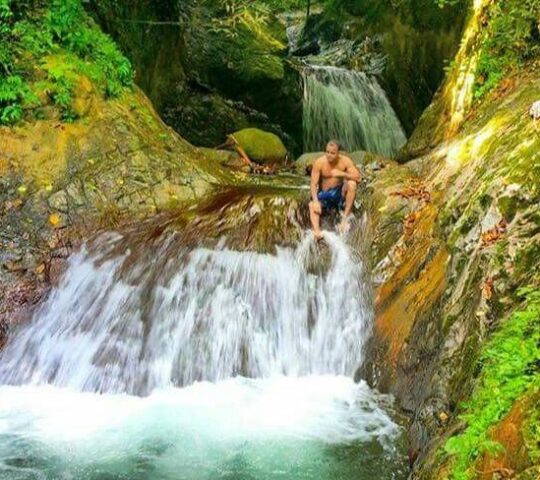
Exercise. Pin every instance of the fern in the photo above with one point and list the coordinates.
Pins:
(506, 375)
(30, 31)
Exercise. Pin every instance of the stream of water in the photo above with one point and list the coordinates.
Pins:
(221, 365)
(350, 107)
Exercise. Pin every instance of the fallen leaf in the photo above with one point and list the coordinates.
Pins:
(492, 235)
(55, 219)
(443, 417)
(487, 289)
(416, 189)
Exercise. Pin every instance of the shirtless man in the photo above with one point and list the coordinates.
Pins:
(334, 179)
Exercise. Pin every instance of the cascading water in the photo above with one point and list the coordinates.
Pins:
(351, 107)
(243, 360)
(222, 314)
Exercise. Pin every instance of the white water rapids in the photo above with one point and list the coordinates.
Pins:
(223, 313)
(243, 360)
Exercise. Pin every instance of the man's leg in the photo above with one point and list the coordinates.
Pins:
(349, 192)
(315, 217)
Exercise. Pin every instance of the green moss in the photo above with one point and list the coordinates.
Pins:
(245, 38)
(264, 147)
(509, 369)
(532, 430)
(527, 259)
(31, 32)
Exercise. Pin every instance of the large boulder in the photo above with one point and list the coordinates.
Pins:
(260, 146)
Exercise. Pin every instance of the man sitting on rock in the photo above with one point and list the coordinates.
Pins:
(334, 179)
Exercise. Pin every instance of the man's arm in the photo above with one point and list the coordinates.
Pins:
(315, 178)
(350, 173)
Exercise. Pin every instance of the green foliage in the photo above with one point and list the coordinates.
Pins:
(509, 369)
(31, 31)
(532, 432)
(510, 40)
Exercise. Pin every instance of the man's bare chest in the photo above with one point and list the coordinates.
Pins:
(326, 170)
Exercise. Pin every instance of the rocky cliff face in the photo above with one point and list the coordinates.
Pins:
(208, 69)
(61, 182)
(456, 237)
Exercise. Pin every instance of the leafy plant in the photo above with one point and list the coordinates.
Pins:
(33, 30)
(510, 39)
(506, 374)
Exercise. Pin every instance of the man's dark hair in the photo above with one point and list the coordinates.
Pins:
(334, 142)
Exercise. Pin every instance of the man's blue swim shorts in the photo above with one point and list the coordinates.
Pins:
(332, 198)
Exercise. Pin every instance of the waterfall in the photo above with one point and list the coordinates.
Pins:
(350, 107)
(155, 358)
(122, 326)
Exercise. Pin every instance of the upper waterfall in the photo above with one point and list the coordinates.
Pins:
(351, 107)
(117, 325)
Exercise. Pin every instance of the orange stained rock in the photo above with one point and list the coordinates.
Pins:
(509, 433)
(421, 230)
(410, 301)
(415, 286)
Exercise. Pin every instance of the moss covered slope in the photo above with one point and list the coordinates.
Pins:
(82, 148)
(499, 40)
(456, 239)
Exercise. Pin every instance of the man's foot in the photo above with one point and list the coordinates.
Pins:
(318, 235)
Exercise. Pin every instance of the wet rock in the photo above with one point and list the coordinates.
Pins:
(57, 267)
(28, 261)
(311, 47)
(449, 278)
(59, 201)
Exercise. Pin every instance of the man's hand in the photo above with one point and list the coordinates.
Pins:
(317, 207)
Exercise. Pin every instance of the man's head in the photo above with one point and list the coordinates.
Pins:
(332, 151)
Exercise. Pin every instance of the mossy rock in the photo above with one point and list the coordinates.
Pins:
(260, 146)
